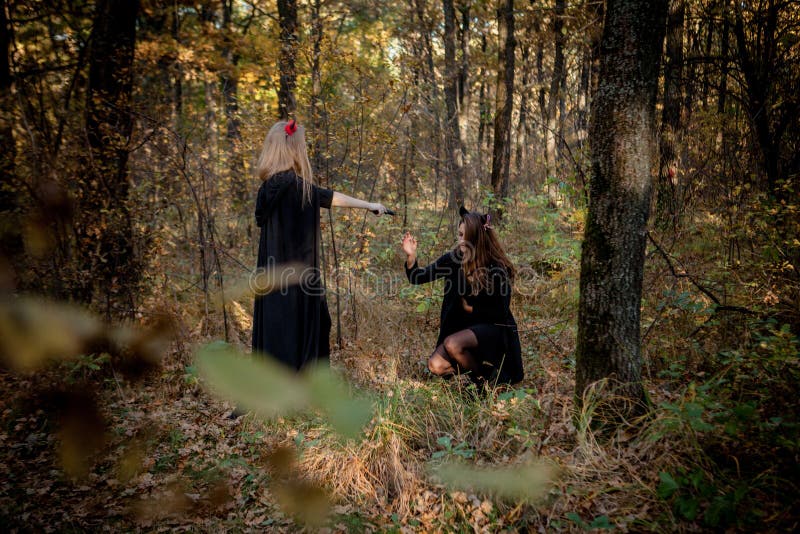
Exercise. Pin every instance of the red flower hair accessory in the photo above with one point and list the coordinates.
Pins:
(291, 127)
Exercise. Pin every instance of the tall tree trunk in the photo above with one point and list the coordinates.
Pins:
(463, 75)
(666, 194)
(178, 83)
(612, 261)
(316, 110)
(11, 236)
(454, 162)
(522, 124)
(483, 116)
(7, 145)
(693, 54)
(287, 19)
(504, 101)
(229, 86)
(556, 83)
(710, 30)
(584, 96)
(541, 99)
(522, 163)
(105, 232)
(757, 68)
(724, 62)
(433, 100)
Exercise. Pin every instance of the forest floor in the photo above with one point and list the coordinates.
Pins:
(173, 459)
(166, 456)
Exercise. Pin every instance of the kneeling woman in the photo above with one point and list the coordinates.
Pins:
(478, 333)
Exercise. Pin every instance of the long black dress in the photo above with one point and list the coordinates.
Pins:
(293, 325)
(491, 320)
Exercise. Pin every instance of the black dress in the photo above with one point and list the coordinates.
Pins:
(293, 324)
(491, 319)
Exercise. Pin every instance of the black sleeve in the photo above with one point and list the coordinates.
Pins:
(325, 197)
(441, 268)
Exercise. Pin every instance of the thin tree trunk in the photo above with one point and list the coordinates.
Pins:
(178, 83)
(316, 85)
(7, 145)
(710, 29)
(433, 102)
(554, 96)
(463, 75)
(724, 62)
(690, 86)
(455, 157)
(105, 234)
(612, 261)
(755, 69)
(483, 116)
(522, 126)
(11, 238)
(666, 194)
(287, 19)
(540, 81)
(229, 86)
(504, 100)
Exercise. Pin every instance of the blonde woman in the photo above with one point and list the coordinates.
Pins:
(293, 324)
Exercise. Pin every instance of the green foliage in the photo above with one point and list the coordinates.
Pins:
(423, 298)
(462, 450)
(85, 365)
(600, 522)
(731, 417)
(693, 494)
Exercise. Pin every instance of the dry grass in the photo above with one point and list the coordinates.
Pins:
(387, 471)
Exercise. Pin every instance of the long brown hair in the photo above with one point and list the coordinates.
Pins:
(484, 251)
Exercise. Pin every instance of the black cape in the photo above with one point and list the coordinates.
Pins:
(491, 307)
(292, 324)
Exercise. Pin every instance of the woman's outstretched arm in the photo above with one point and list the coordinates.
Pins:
(343, 201)
(441, 268)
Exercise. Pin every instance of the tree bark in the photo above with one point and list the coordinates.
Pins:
(455, 157)
(316, 87)
(666, 195)
(483, 117)
(229, 87)
(504, 100)
(724, 62)
(622, 134)
(463, 76)
(11, 238)
(7, 145)
(287, 19)
(522, 122)
(105, 232)
(757, 70)
(433, 88)
(557, 82)
(178, 70)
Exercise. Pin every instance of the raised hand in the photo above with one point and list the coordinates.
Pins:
(409, 244)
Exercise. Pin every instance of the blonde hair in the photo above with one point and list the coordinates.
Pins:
(282, 152)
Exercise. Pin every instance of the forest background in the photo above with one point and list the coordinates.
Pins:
(129, 131)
